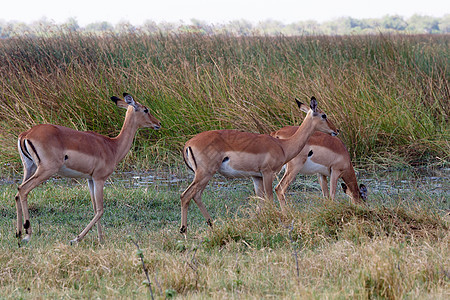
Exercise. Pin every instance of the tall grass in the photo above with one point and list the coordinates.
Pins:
(389, 95)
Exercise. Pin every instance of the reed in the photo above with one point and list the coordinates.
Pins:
(387, 93)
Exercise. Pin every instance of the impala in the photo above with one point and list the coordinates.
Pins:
(46, 150)
(234, 153)
(327, 156)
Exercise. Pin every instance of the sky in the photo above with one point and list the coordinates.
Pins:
(213, 11)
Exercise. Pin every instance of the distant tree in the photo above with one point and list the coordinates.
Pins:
(203, 26)
(338, 26)
(167, 27)
(394, 22)
(99, 27)
(16, 29)
(2, 25)
(150, 27)
(71, 25)
(124, 27)
(372, 23)
(303, 28)
(270, 27)
(43, 26)
(423, 24)
(444, 24)
(239, 27)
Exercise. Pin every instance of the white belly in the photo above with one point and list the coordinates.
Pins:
(227, 171)
(311, 168)
(66, 172)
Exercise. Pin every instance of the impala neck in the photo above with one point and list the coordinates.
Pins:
(125, 138)
(293, 145)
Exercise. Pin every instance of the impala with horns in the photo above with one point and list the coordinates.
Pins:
(325, 156)
(48, 149)
(234, 153)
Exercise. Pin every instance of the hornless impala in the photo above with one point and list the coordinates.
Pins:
(325, 155)
(234, 153)
(48, 149)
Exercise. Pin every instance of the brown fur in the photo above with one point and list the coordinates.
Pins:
(243, 154)
(71, 153)
(328, 151)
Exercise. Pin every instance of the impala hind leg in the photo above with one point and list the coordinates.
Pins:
(33, 181)
(323, 185)
(335, 175)
(258, 186)
(29, 168)
(19, 217)
(92, 193)
(194, 191)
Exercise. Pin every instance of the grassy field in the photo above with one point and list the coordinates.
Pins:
(397, 247)
(389, 95)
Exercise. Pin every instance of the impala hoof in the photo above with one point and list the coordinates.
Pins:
(73, 242)
(26, 239)
(183, 229)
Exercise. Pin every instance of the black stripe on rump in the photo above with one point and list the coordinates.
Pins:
(34, 150)
(185, 161)
(24, 149)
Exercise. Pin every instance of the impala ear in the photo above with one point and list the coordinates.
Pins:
(313, 104)
(303, 107)
(115, 99)
(129, 100)
(119, 102)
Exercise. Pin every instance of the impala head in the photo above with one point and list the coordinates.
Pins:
(144, 118)
(319, 118)
(356, 195)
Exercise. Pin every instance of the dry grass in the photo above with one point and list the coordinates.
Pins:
(342, 251)
(388, 94)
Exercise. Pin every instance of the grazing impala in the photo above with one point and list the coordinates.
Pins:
(325, 155)
(234, 153)
(48, 149)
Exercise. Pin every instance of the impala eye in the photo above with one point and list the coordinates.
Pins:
(324, 116)
(146, 110)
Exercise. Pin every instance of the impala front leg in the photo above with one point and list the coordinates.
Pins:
(323, 185)
(268, 189)
(289, 176)
(333, 183)
(98, 193)
(91, 185)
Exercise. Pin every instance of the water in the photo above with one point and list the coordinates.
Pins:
(431, 181)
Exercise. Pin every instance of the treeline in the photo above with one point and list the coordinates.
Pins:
(342, 26)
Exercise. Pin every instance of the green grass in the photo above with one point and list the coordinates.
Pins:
(388, 94)
(396, 247)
